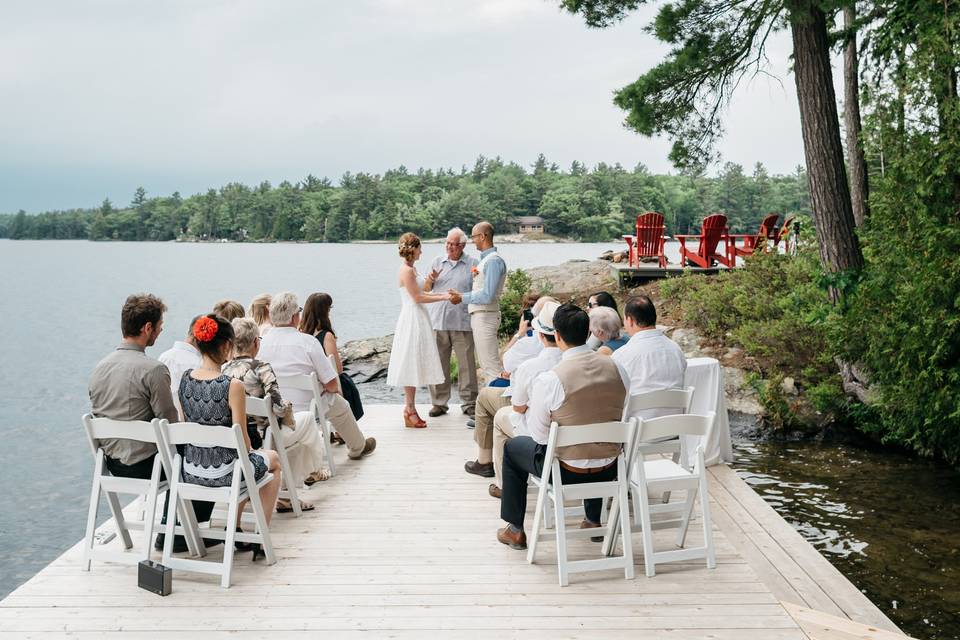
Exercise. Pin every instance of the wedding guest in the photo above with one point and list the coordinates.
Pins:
(523, 346)
(652, 360)
(316, 322)
(181, 356)
(606, 327)
(210, 397)
(292, 353)
(451, 325)
(483, 301)
(584, 388)
(127, 385)
(599, 299)
(259, 311)
(228, 310)
(511, 421)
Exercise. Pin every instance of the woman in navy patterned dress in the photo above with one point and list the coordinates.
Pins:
(210, 397)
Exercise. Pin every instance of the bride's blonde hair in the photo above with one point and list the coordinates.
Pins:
(408, 245)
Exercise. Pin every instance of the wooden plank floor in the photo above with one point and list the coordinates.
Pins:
(403, 542)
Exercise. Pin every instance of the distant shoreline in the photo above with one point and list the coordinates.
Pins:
(501, 239)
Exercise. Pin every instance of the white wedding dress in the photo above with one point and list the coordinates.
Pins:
(414, 359)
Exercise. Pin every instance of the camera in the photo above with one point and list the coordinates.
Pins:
(527, 315)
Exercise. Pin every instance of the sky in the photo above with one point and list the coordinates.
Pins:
(102, 96)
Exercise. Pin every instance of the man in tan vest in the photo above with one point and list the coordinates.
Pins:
(584, 388)
(483, 302)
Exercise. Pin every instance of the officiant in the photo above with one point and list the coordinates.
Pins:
(451, 324)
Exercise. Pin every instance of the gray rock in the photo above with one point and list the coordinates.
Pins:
(366, 360)
(789, 386)
(689, 341)
(741, 397)
(573, 278)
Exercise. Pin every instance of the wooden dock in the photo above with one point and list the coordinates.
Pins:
(402, 544)
(626, 276)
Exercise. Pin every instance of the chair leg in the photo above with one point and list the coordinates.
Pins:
(262, 526)
(626, 533)
(231, 528)
(707, 524)
(191, 528)
(286, 479)
(92, 513)
(327, 447)
(647, 533)
(150, 509)
(538, 513)
(613, 528)
(118, 518)
(560, 517)
(687, 514)
(174, 489)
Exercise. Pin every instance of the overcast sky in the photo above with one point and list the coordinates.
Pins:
(99, 97)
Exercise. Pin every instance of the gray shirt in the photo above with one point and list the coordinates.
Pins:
(127, 385)
(446, 316)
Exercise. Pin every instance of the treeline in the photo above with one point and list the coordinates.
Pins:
(589, 204)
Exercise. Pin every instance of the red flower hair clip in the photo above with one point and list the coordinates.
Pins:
(205, 329)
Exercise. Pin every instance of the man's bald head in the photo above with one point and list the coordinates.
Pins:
(482, 235)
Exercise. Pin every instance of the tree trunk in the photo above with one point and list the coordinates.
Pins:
(856, 161)
(826, 174)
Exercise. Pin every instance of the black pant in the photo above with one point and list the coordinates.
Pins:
(523, 456)
(143, 470)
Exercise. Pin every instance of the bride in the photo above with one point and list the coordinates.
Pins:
(414, 359)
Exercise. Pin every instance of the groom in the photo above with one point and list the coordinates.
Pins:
(483, 303)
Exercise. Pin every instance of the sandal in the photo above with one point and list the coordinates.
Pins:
(284, 506)
(316, 476)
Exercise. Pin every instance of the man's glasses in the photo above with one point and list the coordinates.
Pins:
(591, 305)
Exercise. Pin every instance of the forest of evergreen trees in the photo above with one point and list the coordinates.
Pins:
(589, 204)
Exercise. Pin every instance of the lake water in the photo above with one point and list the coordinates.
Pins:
(60, 314)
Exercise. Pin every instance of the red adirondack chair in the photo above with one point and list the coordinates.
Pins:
(648, 243)
(714, 230)
(753, 242)
(784, 234)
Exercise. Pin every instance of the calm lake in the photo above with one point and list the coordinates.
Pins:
(889, 522)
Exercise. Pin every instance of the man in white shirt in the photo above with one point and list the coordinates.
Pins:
(451, 324)
(584, 388)
(652, 360)
(291, 353)
(511, 421)
(180, 358)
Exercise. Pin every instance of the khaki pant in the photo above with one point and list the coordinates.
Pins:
(485, 325)
(460, 342)
(341, 419)
(489, 402)
(502, 431)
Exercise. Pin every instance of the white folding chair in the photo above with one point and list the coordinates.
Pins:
(663, 435)
(305, 382)
(263, 408)
(243, 486)
(552, 490)
(111, 486)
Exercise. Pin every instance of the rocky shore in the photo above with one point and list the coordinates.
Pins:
(366, 360)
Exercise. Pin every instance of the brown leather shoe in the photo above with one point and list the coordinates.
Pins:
(513, 540)
(479, 469)
(494, 491)
(436, 411)
(586, 524)
(368, 448)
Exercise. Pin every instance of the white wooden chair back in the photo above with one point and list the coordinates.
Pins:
(678, 400)
(263, 408)
(552, 490)
(104, 483)
(243, 486)
(310, 382)
(659, 475)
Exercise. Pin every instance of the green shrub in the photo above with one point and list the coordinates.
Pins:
(517, 285)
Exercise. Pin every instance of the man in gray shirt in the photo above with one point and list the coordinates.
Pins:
(451, 324)
(128, 385)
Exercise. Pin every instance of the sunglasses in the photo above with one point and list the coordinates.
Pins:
(591, 305)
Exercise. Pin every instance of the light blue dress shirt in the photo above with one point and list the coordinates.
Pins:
(494, 272)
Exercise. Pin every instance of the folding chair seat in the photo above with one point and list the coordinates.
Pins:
(243, 486)
(263, 408)
(552, 491)
(305, 382)
(149, 489)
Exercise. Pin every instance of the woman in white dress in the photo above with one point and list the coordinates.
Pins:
(414, 359)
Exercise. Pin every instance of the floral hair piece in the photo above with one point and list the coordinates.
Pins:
(205, 329)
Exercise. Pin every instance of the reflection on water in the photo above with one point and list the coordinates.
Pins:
(888, 522)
